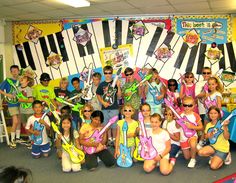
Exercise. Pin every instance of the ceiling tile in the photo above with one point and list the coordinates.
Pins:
(13, 2)
(196, 7)
(223, 4)
(185, 1)
(32, 16)
(37, 7)
(55, 13)
(147, 3)
(11, 11)
(158, 10)
(115, 6)
(126, 12)
(54, 4)
(84, 10)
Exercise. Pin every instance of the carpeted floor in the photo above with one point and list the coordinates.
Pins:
(47, 170)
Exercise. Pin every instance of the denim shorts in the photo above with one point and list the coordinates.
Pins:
(221, 155)
(108, 114)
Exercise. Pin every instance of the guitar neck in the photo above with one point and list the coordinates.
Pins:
(68, 103)
(114, 81)
(104, 128)
(174, 111)
(143, 128)
(125, 138)
(230, 116)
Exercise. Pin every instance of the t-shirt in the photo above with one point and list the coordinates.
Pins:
(221, 144)
(159, 141)
(94, 101)
(171, 128)
(135, 99)
(131, 129)
(213, 97)
(44, 93)
(27, 92)
(33, 122)
(102, 88)
(9, 89)
(193, 118)
(67, 138)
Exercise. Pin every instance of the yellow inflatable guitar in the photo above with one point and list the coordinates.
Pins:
(76, 155)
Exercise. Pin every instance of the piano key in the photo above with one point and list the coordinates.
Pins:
(62, 47)
(129, 39)
(29, 55)
(106, 33)
(191, 60)
(201, 58)
(22, 62)
(222, 60)
(231, 55)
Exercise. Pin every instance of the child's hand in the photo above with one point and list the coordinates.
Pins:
(100, 147)
(36, 132)
(189, 125)
(226, 123)
(117, 153)
(157, 158)
(42, 121)
(9, 95)
(106, 104)
(210, 135)
(118, 83)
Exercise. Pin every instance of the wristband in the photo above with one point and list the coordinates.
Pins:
(160, 156)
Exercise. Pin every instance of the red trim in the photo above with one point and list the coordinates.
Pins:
(230, 177)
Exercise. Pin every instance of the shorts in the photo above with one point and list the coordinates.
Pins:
(37, 150)
(220, 154)
(185, 145)
(108, 114)
(14, 111)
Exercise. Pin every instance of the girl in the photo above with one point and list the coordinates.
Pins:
(101, 150)
(146, 113)
(86, 112)
(70, 135)
(154, 82)
(187, 88)
(161, 141)
(219, 152)
(132, 132)
(173, 94)
(215, 89)
(170, 126)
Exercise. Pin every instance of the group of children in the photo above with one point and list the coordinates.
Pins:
(141, 99)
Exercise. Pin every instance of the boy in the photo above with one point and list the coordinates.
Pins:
(135, 99)
(96, 81)
(13, 106)
(109, 110)
(189, 145)
(37, 126)
(43, 91)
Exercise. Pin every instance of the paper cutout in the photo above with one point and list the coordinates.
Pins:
(227, 77)
(33, 34)
(54, 60)
(138, 29)
(192, 38)
(82, 36)
(163, 53)
(84, 73)
(213, 55)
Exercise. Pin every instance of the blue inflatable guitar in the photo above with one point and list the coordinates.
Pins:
(125, 159)
(39, 127)
(217, 129)
(153, 90)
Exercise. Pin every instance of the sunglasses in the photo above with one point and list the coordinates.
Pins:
(87, 110)
(107, 73)
(127, 110)
(171, 84)
(46, 80)
(129, 74)
(188, 105)
(208, 73)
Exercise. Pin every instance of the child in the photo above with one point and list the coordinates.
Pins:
(109, 110)
(70, 135)
(101, 151)
(37, 127)
(187, 88)
(170, 126)
(146, 112)
(188, 145)
(155, 82)
(218, 152)
(135, 99)
(25, 87)
(43, 91)
(13, 108)
(161, 141)
(86, 112)
(173, 94)
(133, 130)
(62, 91)
(96, 81)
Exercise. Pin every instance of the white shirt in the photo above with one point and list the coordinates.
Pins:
(171, 128)
(199, 89)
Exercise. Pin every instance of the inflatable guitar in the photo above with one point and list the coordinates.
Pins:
(87, 93)
(76, 107)
(76, 155)
(153, 90)
(109, 95)
(97, 135)
(148, 151)
(137, 149)
(39, 127)
(55, 113)
(19, 95)
(217, 129)
(181, 121)
(133, 88)
(125, 159)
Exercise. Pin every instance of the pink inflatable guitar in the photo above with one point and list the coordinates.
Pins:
(181, 121)
(148, 151)
(97, 136)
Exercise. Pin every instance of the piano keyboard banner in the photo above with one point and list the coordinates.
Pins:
(211, 28)
(82, 44)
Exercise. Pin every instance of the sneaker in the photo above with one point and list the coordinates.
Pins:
(172, 161)
(12, 145)
(192, 163)
(29, 147)
(20, 141)
(200, 144)
(178, 153)
(209, 162)
(228, 159)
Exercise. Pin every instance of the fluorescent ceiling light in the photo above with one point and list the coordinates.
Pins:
(76, 3)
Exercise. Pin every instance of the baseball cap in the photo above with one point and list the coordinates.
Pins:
(45, 77)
